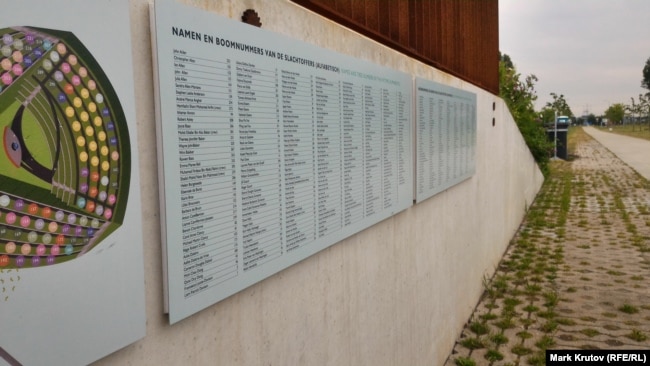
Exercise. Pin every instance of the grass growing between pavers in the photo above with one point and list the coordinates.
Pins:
(573, 274)
(517, 314)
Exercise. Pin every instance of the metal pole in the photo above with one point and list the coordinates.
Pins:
(555, 138)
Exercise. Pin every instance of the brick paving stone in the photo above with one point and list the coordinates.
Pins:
(575, 275)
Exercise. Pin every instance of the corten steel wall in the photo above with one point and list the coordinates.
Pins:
(397, 293)
(460, 37)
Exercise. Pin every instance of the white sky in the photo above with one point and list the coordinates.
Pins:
(592, 51)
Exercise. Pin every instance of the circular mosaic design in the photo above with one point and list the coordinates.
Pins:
(65, 170)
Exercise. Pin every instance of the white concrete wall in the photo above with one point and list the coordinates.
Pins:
(397, 293)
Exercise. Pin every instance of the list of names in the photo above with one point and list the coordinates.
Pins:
(271, 160)
(277, 152)
(446, 137)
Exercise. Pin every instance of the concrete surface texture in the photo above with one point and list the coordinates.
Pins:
(633, 151)
(397, 293)
(575, 275)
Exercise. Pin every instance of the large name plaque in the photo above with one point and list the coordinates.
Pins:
(270, 150)
(445, 137)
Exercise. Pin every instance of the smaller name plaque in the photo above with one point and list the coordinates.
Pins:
(445, 137)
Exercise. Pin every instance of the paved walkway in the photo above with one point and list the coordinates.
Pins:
(576, 274)
(635, 152)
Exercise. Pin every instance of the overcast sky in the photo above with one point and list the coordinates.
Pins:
(592, 51)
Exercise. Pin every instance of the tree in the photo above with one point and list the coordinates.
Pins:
(644, 101)
(645, 82)
(548, 116)
(559, 105)
(635, 109)
(615, 113)
(591, 119)
(644, 107)
(519, 95)
(507, 62)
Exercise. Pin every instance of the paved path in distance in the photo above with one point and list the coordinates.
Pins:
(634, 151)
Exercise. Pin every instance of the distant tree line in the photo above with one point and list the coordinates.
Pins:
(518, 92)
(637, 111)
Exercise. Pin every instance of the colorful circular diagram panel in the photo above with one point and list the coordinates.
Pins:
(65, 165)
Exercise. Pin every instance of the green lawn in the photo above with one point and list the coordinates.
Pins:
(640, 131)
(37, 147)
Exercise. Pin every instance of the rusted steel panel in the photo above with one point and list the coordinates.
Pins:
(460, 37)
(372, 15)
(344, 7)
(427, 46)
(413, 27)
(358, 8)
(403, 31)
(392, 20)
(384, 18)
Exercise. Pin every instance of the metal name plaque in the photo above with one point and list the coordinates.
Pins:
(270, 150)
(445, 137)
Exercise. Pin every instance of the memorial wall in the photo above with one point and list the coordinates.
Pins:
(280, 149)
(277, 148)
(308, 196)
(319, 287)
